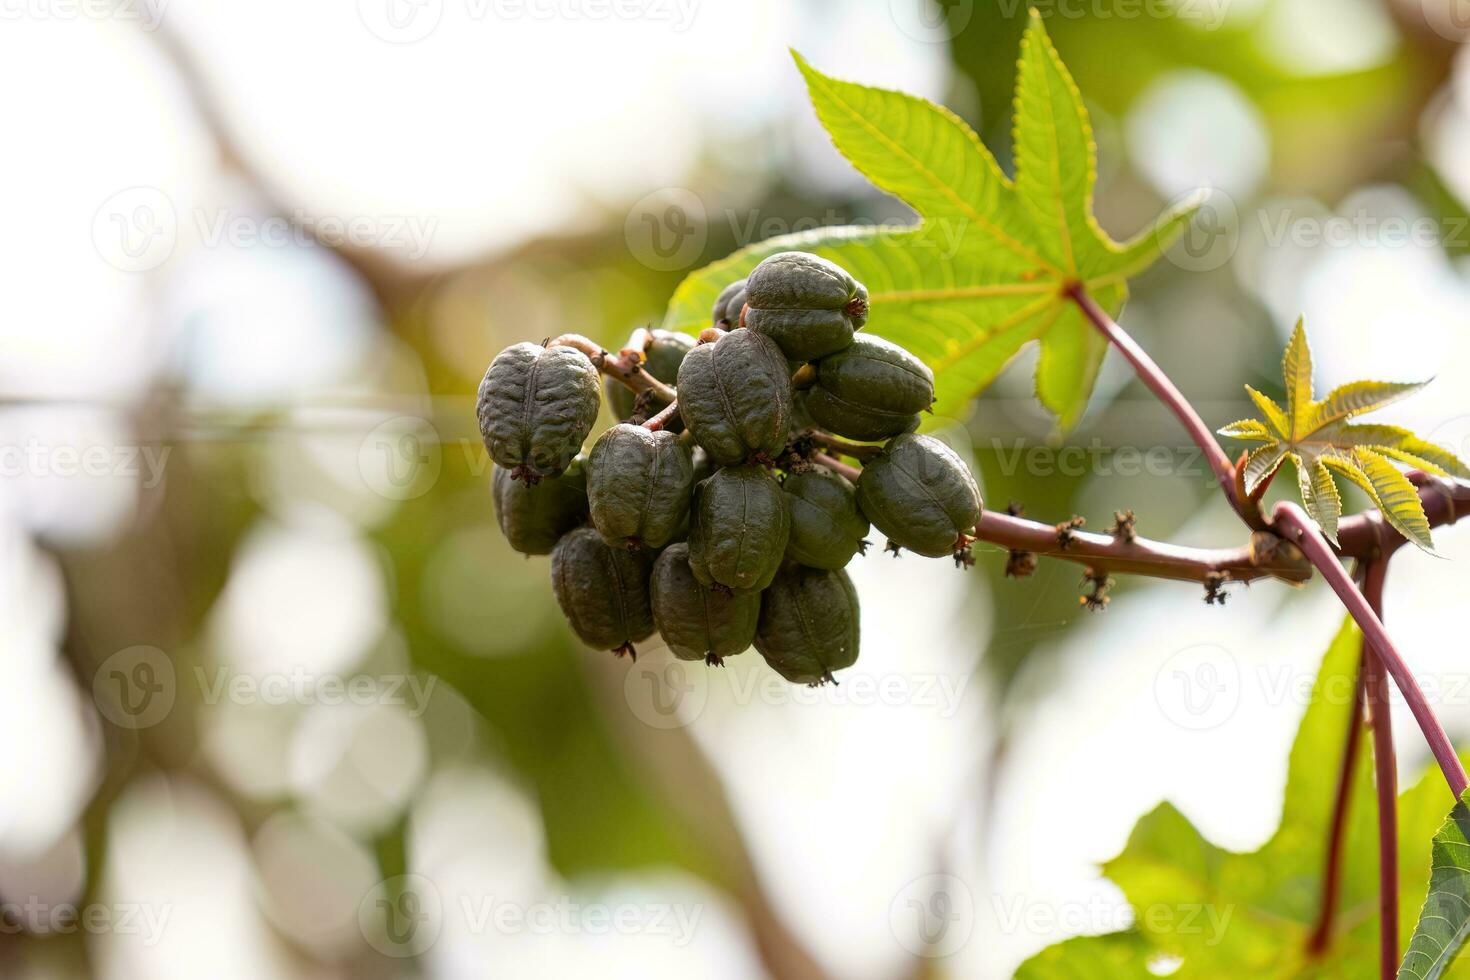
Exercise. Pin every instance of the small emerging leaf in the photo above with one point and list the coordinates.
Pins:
(1319, 439)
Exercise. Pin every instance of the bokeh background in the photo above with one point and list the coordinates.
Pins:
(280, 702)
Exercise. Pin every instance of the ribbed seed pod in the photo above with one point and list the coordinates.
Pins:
(726, 314)
(697, 621)
(809, 624)
(536, 404)
(827, 528)
(806, 304)
(738, 529)
(871, 389)
(603, 590)
(735, 397)
(534, 517)
(638, 485)
(920, 495)
(662, 359)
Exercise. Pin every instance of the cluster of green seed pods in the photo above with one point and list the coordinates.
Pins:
(724, 521)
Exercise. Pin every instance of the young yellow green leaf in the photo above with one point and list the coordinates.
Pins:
(988, 268)
(1320, 440)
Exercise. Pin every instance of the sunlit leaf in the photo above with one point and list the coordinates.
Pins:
(1320, 440)
(987, 269)
(1215, 913)
(1444, 921)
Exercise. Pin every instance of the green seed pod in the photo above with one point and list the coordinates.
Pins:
(826, 527)
(726, 314)
(738, 528)
(807, 305)
(536, 405)
(699, 622)
(735, 397)
(870, 390)
(920, 494)
(638, 485)
(662, 359)
(602, 590)
(809, 624)
(534, 517)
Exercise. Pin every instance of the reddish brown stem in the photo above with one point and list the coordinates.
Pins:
(1158, 382)
(1385, 778)
(625, 367)
(1141, 556)
(1332, 874)
(668, 416)
(837, 466)
(1298, 527)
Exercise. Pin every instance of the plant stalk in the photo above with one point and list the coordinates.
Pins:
(666, 417)
(837, 466)
(1300, 529)
(1385, 778)
(1158, 382)
(1332, 874)
(625, 367)
(841, 447)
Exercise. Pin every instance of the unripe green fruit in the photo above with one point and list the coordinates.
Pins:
(534, 517)
(920, 494)
(726, 314)
(536, 405)
(638, 485)
(735, 397)
(809, 624)
(826, 527)
(806, 304)
(662, 359)
(602, 590)
(869, 390)
(738, 529)
(699, 622)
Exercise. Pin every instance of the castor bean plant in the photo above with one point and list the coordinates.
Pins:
(784, 411)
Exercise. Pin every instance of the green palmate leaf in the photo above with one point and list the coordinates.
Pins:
(1216, 913)
(1115, 956)
(1320, 440)
(987, 269)
(1444, 921)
